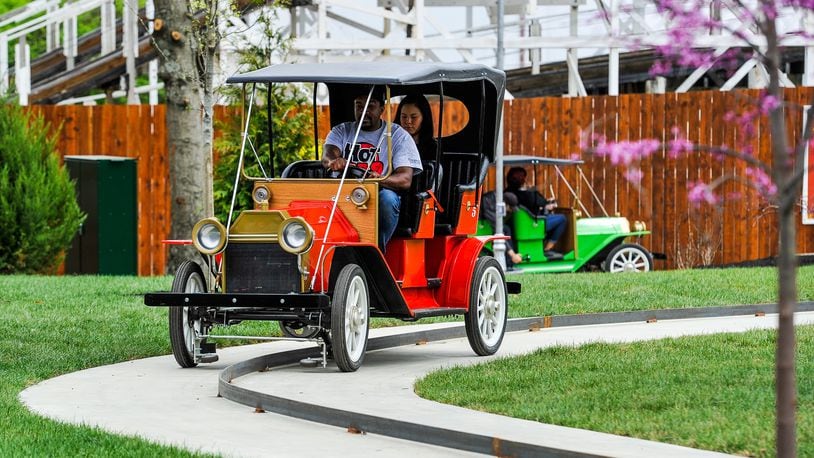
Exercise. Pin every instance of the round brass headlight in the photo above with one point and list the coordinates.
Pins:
(209, 236)
(639, 226)
(296, 235)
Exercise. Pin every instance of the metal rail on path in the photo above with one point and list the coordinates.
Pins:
(468, 441)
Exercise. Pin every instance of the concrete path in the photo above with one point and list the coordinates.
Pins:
(155, 399)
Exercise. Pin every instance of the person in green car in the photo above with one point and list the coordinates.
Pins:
(489, 213)
(538, 205)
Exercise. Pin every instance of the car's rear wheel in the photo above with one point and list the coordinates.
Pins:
(350, 318)
(486, 319)
(628, 257)
(184, 324)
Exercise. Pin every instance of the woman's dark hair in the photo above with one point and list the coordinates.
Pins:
(515, 178)
(426, 143)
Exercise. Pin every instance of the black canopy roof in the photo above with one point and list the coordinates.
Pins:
(383, 72)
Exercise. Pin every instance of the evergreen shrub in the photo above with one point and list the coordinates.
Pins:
(39, 214)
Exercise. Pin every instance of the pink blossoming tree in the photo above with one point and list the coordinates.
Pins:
(754, 23)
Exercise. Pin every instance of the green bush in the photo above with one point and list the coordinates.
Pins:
(39, 214)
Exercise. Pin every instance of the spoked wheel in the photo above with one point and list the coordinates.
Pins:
(184, 324)
(628, 257)
(298, 330)
(350, 313)
(486, 318)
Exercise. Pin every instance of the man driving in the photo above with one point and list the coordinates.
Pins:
(369, 152)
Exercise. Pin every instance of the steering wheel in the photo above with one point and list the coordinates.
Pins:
(353, 172)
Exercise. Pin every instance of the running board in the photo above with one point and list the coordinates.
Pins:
(432, 283)
(443, 311)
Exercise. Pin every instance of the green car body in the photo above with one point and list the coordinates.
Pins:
(610, 243)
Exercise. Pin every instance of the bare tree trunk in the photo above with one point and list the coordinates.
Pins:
(786, 404)
(190, 154)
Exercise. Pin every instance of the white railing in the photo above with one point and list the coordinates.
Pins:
(540, 30)
(29, 10)
(47, 14)
(91, 99)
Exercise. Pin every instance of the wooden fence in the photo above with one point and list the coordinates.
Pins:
(742, 228)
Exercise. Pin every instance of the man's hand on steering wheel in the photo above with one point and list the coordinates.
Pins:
(336, 164)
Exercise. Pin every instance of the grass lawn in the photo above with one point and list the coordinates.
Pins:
(711, 392)
(56, 325)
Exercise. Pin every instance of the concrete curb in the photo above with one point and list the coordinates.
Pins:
(479, 443)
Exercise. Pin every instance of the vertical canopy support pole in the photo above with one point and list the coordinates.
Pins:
(269, 114)
(499, 246)
(316, 123)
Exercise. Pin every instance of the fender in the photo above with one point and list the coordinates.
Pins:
(458, 271)
(385, 294)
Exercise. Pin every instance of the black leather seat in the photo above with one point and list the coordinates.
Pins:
(462, 172)
(412, 202)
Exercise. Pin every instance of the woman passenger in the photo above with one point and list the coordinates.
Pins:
(414, 116)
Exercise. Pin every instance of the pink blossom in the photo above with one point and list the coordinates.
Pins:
(679, 144)
(807, 4)
(661, 68)
(768, 103)
(687, 19)
(634, 175)
(626, 152)
(701, 192)
(769, 10)
(761, 180)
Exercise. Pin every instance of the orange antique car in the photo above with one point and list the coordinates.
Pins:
(308, 253)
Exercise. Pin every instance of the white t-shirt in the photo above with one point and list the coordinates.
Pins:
(374, 143)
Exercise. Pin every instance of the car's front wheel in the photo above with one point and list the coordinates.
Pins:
(485, 321)
(185, 325)
(350, 318)
(628, 257)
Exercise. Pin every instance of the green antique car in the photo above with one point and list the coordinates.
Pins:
(589, 243)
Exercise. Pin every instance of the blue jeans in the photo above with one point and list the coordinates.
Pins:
(389, 204)
(554, 226)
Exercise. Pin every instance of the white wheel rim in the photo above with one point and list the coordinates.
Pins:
(629, 260)
(191, 329)
(356, 319)
(491, 306)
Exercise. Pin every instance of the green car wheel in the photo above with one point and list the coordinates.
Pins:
(628, 257)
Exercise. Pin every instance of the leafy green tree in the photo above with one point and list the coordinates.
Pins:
(292, 126)
(39, 215)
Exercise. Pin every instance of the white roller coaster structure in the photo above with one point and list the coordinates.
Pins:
(529, 33)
